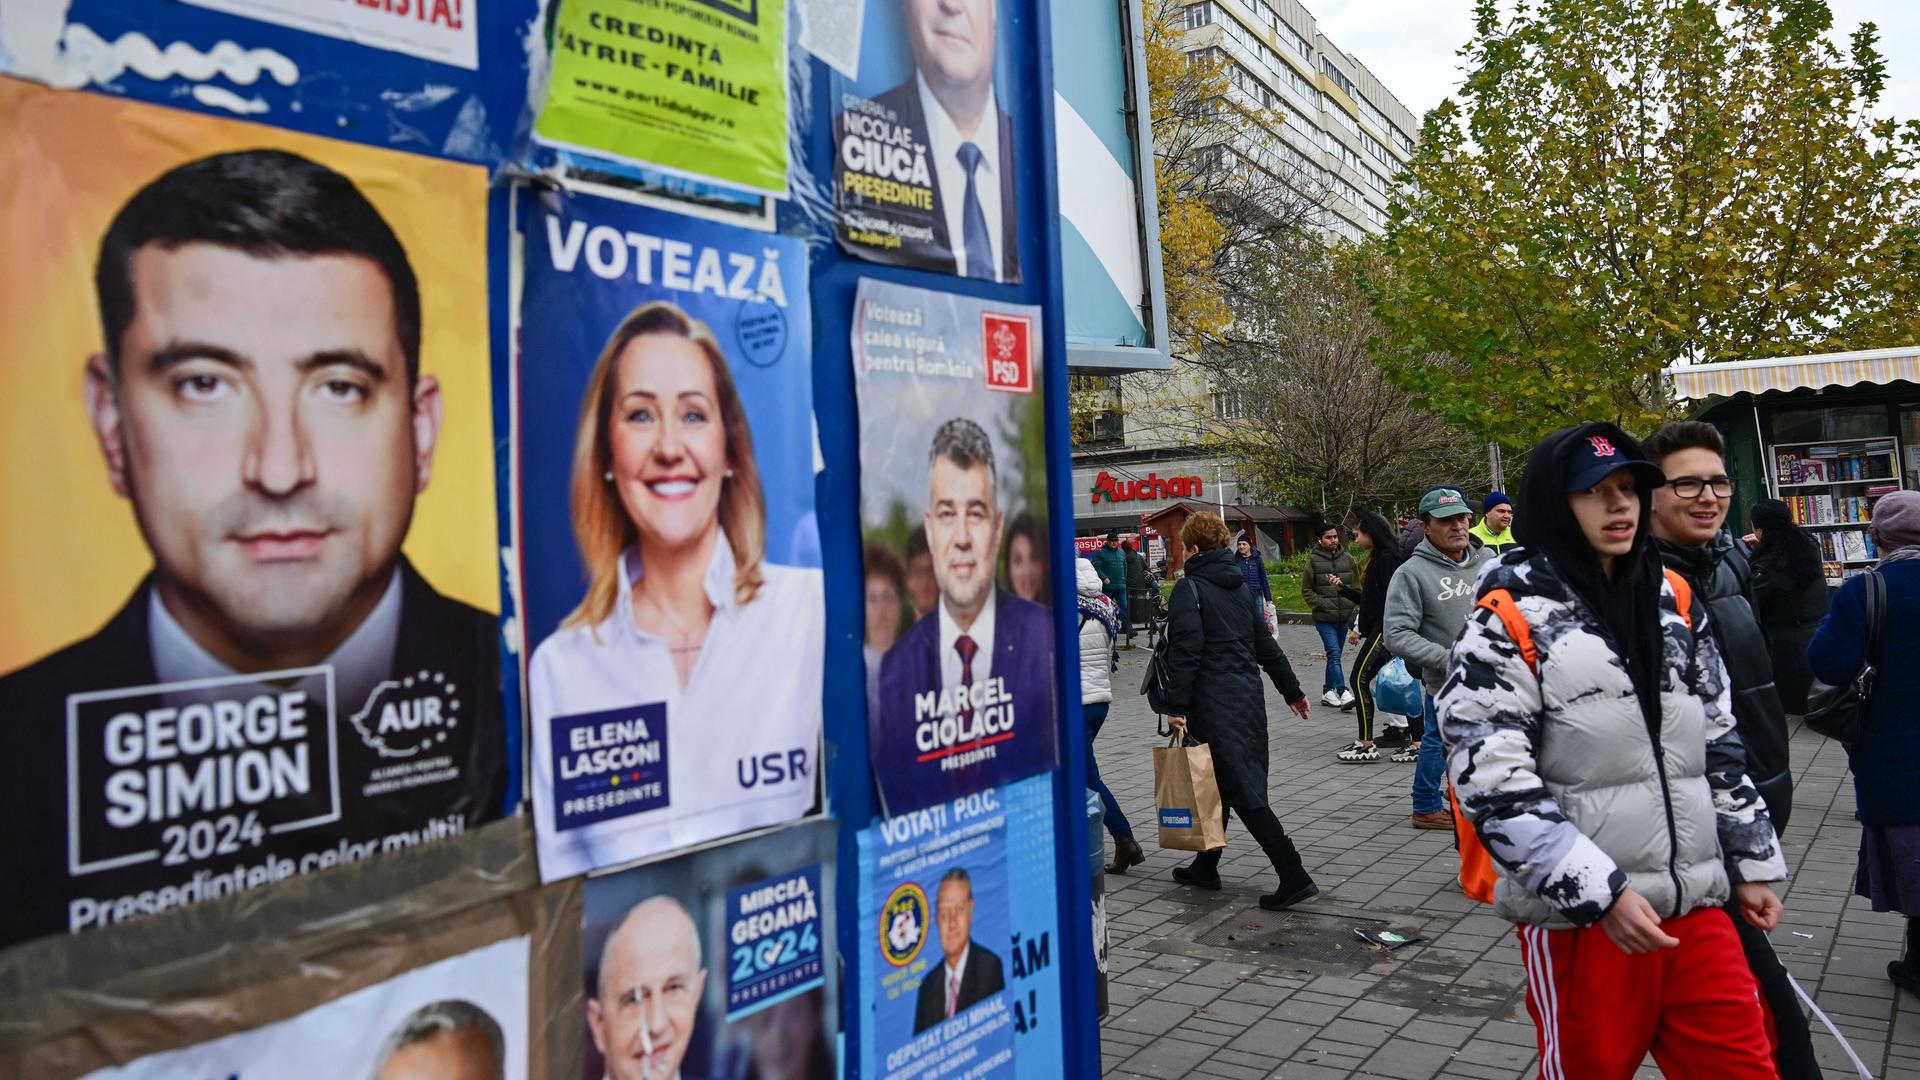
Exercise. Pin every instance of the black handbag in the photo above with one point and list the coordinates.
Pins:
(1157, 686)
(1839, 711)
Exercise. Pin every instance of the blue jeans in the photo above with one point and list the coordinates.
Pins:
(1117, 826)
(1431, 766)
(1334, 637)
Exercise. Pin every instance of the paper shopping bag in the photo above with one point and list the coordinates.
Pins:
(1187, 798)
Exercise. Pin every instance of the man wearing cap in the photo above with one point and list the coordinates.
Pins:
(1495, 531)
(1427, 606)
(1112, 564)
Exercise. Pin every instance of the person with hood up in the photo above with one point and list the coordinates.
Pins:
(1789, 594)
(1427, 604)
(1099, 629)
(1495, 531)
(1689, 511)
(1886, 760)
(1217, 646)
(1593, 747)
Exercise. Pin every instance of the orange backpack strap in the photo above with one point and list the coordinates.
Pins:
(1682, 595)
(1501, 603)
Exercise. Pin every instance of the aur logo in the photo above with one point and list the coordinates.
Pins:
(903, 924)
(407, 716)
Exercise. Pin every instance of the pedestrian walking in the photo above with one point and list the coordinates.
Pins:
(1886, 760)
(1376, 536)
(1253, 571)
(1790, 595)
(1112, 565)
(1593, 746)
(1099, 630)
(1328, 573)
(1427, 604)
(1139, 588)
(1689, 514)
(1217, 648)
(1495, 531)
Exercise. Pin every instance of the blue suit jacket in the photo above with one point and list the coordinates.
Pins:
(1022, 659)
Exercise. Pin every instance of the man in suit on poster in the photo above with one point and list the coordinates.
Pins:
(969, 973)
(968, 689)
(258, 400)
(951, 108)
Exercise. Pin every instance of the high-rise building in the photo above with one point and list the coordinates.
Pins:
(1340, 138)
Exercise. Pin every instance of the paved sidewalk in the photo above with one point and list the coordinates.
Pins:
(1207, 984)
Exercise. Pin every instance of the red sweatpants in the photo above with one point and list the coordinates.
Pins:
(1598, 1010)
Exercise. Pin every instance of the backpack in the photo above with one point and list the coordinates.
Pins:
(1476, 866)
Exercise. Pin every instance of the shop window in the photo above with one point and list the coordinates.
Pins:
(1813, 425)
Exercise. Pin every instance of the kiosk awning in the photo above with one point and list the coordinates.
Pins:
(1873, 367)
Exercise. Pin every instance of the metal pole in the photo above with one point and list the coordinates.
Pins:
(1219, 490)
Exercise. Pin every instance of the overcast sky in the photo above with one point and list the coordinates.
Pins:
(1411, 44)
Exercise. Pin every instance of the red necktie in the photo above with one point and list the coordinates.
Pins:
(967, 648)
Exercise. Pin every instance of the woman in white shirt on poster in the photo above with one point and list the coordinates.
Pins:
(681, 608)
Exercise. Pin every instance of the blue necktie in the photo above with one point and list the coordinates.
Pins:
(973, 220)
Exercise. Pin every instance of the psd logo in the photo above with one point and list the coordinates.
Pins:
(1172, 817)
(903, 924)
(1007, 343)
(406, 716)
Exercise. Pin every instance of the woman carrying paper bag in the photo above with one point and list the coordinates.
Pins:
(1217, 647)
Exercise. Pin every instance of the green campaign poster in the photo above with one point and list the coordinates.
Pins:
(697, 88)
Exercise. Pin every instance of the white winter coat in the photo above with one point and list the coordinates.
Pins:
(1096, 645)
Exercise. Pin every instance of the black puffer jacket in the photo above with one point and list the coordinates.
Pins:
(1720, 576)
(1790, 595)
(1217, 647)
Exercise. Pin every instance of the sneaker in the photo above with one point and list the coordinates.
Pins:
(1358, 751)
(1331, 699)
(1406, 755)
(1347, 701)
(1275, 901)
(1433, 819)
(1393, 738)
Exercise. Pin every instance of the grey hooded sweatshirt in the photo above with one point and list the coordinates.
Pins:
(1427, 606)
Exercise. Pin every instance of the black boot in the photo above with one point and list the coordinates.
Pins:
(1296, 885)
(1905, 972)
(1202, 873)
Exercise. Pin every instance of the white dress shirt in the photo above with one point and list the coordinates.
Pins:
(359, 663)
(982, 634)
(754, 691)
(944, 140)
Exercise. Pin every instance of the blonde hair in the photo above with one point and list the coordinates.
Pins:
(601, 525)
(1205, 531)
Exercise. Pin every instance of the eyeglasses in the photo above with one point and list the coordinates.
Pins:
(1690, 487)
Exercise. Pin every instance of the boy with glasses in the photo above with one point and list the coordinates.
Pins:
(1689, 512)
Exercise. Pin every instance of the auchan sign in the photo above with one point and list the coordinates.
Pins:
(1151, 486)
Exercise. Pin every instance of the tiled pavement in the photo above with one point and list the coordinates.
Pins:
(1207, 985)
